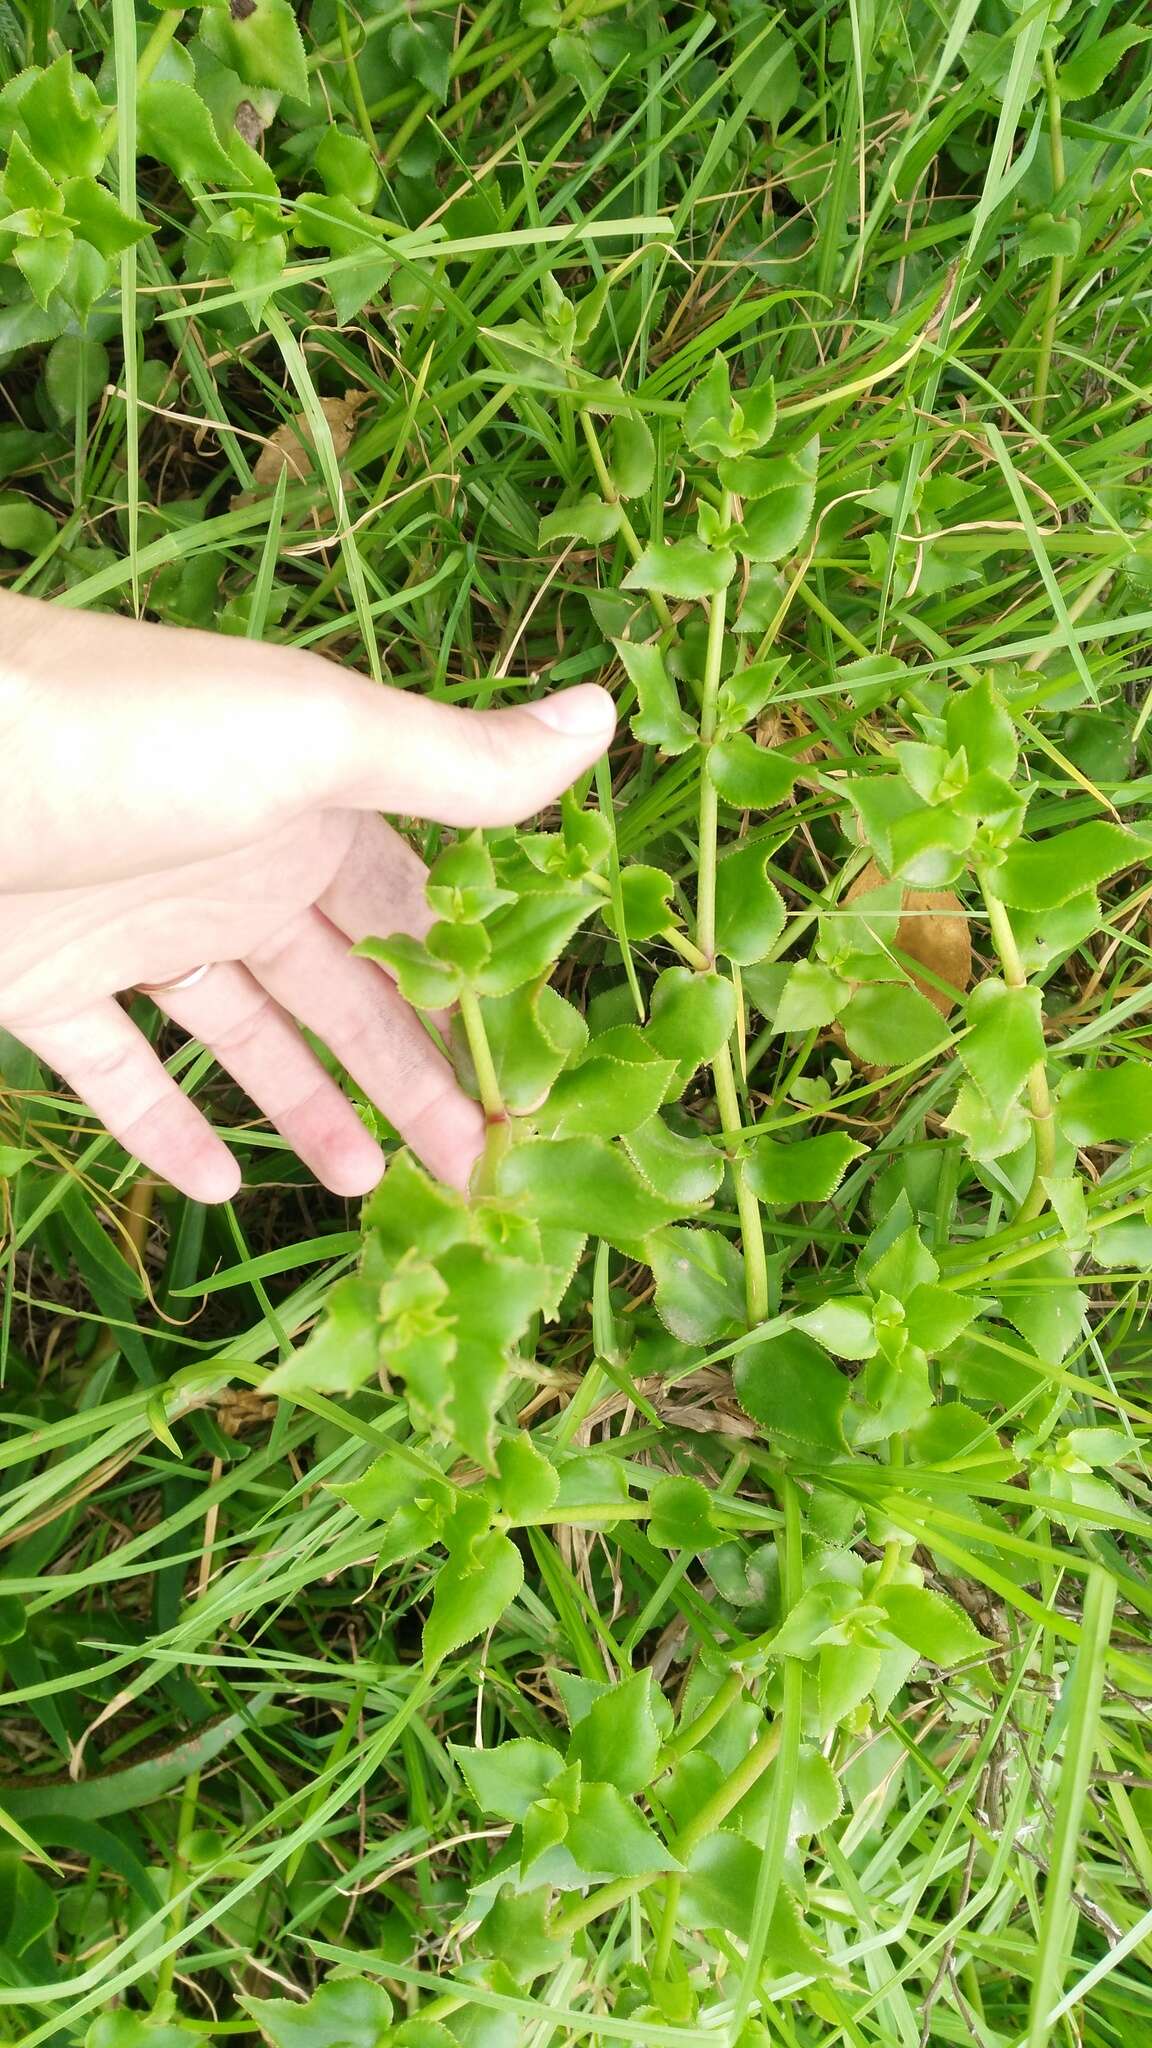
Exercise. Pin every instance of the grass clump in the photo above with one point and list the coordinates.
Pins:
(697, 1590)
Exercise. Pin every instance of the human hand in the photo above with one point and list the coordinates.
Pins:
(171, 798)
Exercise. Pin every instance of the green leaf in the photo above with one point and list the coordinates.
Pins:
(632, 458)
(978, 722)
(936, 1316)
(532, 1034)
(426, 983)
(584, 1184)
(42, 263)
(693, 1015)
(890, 1023)
(507, 1780)
(391, 1482)
(75, 373)
(749, 775)
(350, 2011)
(685, 1169)
(684, 569)
(932, 1625)
(617, 1742)
(1047, 873)
(342, 1353)
(1004, 1042)
(743, 695)
(97, 218)
(619, 1083)
(790, 1386)
(1095, 61)
(124, 2029)
(720, 1891)
(806, 1170)
(778, 518)
(25, 528)
(659, 722)
(846, 1673)
(26, 185)
(409, 1208)
(455, 1356)
(529, 1484)
(1098, 1105)
(708, 411)
(894, 1260)
(12, 1158)
(1048, 235)
(750, 914)
(589, 519)
(646, 895)
(422, 49)
(529, 935)
(473, 1588)
(64, 118)
(348, 167)
(699, 1279)
(681, 1516)
(175, 127)
(261, 41)
(608, 1837)
(843, 1327)
(811, 997)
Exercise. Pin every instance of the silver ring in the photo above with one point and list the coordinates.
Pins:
(168, 988)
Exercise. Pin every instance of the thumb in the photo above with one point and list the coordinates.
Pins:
(403, 753)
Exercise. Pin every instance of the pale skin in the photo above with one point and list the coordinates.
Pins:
(171, 798)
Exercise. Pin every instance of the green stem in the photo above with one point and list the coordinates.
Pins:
(1056, 274)
(185, 1826)
(628, 532)
(363, 117)
(1039, 1098)
(751, 1222)
(787, 1729)
(722, 1701)
(471, 1016)
(709, 801)
(705, 1821)
(727, 1098)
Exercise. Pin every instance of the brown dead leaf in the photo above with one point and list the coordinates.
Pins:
(933, 929)
(291, 446)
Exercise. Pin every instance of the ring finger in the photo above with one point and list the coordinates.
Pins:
(251, 1036)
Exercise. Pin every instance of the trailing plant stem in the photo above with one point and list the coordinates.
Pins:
(787, 1730)
(1039, 1096)
(1056, 274)
(727, 1097)
(751, 1223)
(628, 532)
(491, 1100)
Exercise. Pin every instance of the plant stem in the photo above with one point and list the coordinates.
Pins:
(1039, 1098)
(709, 797)
(628, 532)
(707, 1818)
(471, 1016)
(723, 1073)
(787, 1730)
(710, 1717)
(1056, 274)
(185, 1827)
(363, 117)
(751, 1224)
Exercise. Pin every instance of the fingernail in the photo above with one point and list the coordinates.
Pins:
(578, 713)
